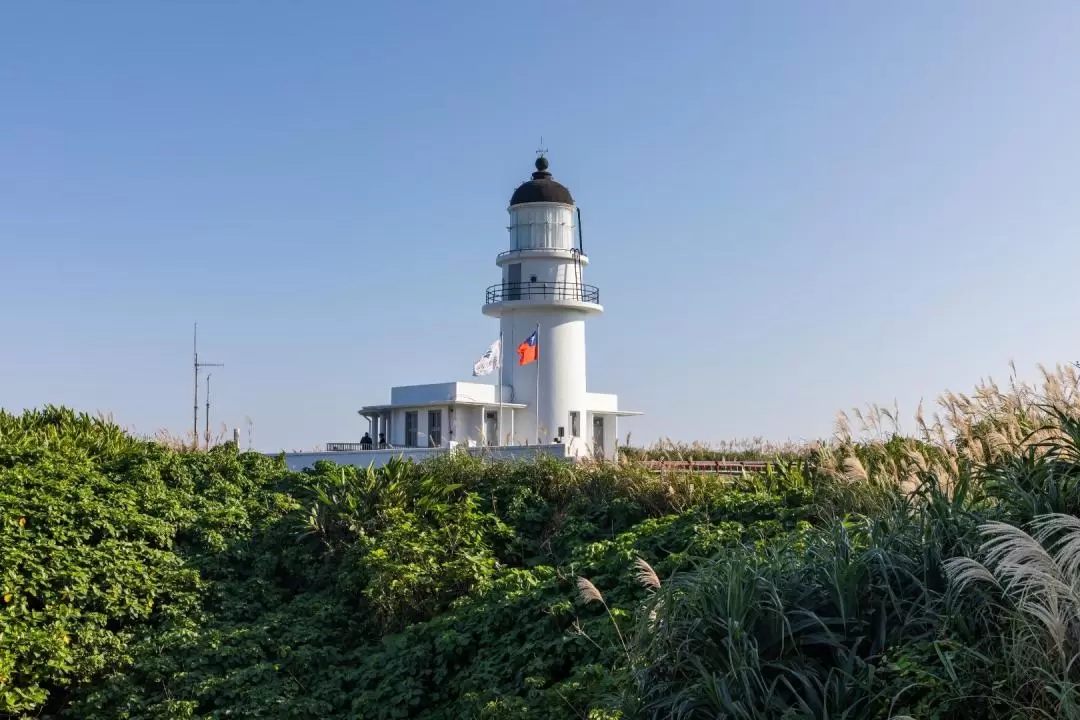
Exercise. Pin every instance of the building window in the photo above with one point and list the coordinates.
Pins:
(575, 423)
(513, 282)
(411, 418)
(434, 427)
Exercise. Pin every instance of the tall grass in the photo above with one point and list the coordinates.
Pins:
(1034, 581)
(943, 579)
(740, 449)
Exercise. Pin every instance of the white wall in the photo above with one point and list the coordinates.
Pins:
(547, 270)
(611, 436)
(425, 425)
(420, 394)
(561, 368)
(478, 392)
(468, 420)
(397, 427)
(579, 446)
(443, 392)
(397, 436)
(470, 424)
(602, 402)
(378, 458)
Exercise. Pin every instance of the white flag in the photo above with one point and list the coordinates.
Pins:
(490, 361)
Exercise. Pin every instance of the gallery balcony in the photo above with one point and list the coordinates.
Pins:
(524, 253)
(580, 296)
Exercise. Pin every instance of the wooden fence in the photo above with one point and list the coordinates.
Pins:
(715, 467)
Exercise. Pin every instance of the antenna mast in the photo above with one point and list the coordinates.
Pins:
(206, 418)
(195, 426)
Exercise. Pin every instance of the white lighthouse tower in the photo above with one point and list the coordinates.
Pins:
(543, 291)
(541, 406)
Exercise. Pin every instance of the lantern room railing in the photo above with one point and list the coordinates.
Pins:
(543, 291)
(518, 251)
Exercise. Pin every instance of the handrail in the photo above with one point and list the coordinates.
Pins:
(550, 290)
(507, 253)
(354, 446)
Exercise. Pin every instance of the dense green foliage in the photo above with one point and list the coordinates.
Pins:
(142, 582)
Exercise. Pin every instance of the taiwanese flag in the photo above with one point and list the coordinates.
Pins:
(528, 350)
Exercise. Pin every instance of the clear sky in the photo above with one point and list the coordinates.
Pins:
(790, 208)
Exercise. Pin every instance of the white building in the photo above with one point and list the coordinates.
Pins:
(543, 404)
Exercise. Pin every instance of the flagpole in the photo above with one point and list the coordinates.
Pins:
(537, 383)
(513, 436)
(500, 387)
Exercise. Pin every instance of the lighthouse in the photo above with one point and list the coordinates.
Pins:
(543, 300)
(536, 397)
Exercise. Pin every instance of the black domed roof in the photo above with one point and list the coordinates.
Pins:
(542, 188)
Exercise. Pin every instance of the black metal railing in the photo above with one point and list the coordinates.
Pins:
(353, 446)
(543, 290)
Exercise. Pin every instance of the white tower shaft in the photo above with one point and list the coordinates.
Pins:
(542, 286)
(561, 368)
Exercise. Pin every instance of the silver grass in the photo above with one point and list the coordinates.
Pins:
(853, 469)
(645, 575)
(963, 571)
(587, 591)
(864, 424)
(1019, 560)
(842, 428)
(1048, 611)
(1066, 546)
(1039, 574)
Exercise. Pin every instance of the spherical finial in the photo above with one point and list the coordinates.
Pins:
(542, 187)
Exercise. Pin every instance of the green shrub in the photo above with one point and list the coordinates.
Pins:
(142, 582)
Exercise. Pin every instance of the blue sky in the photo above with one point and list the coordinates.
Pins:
(790, 208)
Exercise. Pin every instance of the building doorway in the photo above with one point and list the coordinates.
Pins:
(513, 282)
(598, 435)
(491, 428)
(434, 425)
